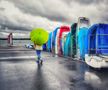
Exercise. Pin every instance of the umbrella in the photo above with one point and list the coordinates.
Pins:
(39, 36)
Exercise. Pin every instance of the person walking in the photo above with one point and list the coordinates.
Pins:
(38, 49)
(39, 37)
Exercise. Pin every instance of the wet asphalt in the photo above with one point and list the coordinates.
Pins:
(56, 73)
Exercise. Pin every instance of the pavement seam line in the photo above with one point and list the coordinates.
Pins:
(18, 57)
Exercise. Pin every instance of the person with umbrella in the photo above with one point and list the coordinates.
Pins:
(39, 37)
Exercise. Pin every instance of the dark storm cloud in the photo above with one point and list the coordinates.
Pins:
(14, 17)
(59, 10)
(44, 13)
(89, 1)
(40, 9)
(86, 2)
(14, 27)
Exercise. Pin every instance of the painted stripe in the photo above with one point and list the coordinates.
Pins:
(17, 57)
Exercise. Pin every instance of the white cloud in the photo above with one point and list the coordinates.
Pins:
(3, 35)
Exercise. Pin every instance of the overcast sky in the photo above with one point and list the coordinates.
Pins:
(49, 14)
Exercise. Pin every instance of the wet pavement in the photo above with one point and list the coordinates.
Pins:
(56, 73)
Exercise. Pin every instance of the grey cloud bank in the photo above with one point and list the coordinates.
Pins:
(27, 14)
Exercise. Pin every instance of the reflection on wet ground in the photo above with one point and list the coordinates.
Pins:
(57, 73)
(87, 78)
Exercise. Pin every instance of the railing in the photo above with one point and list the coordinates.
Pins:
(100, 43)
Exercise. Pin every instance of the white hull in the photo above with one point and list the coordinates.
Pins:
(96, 61)
(56, 49)
(56, 42)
